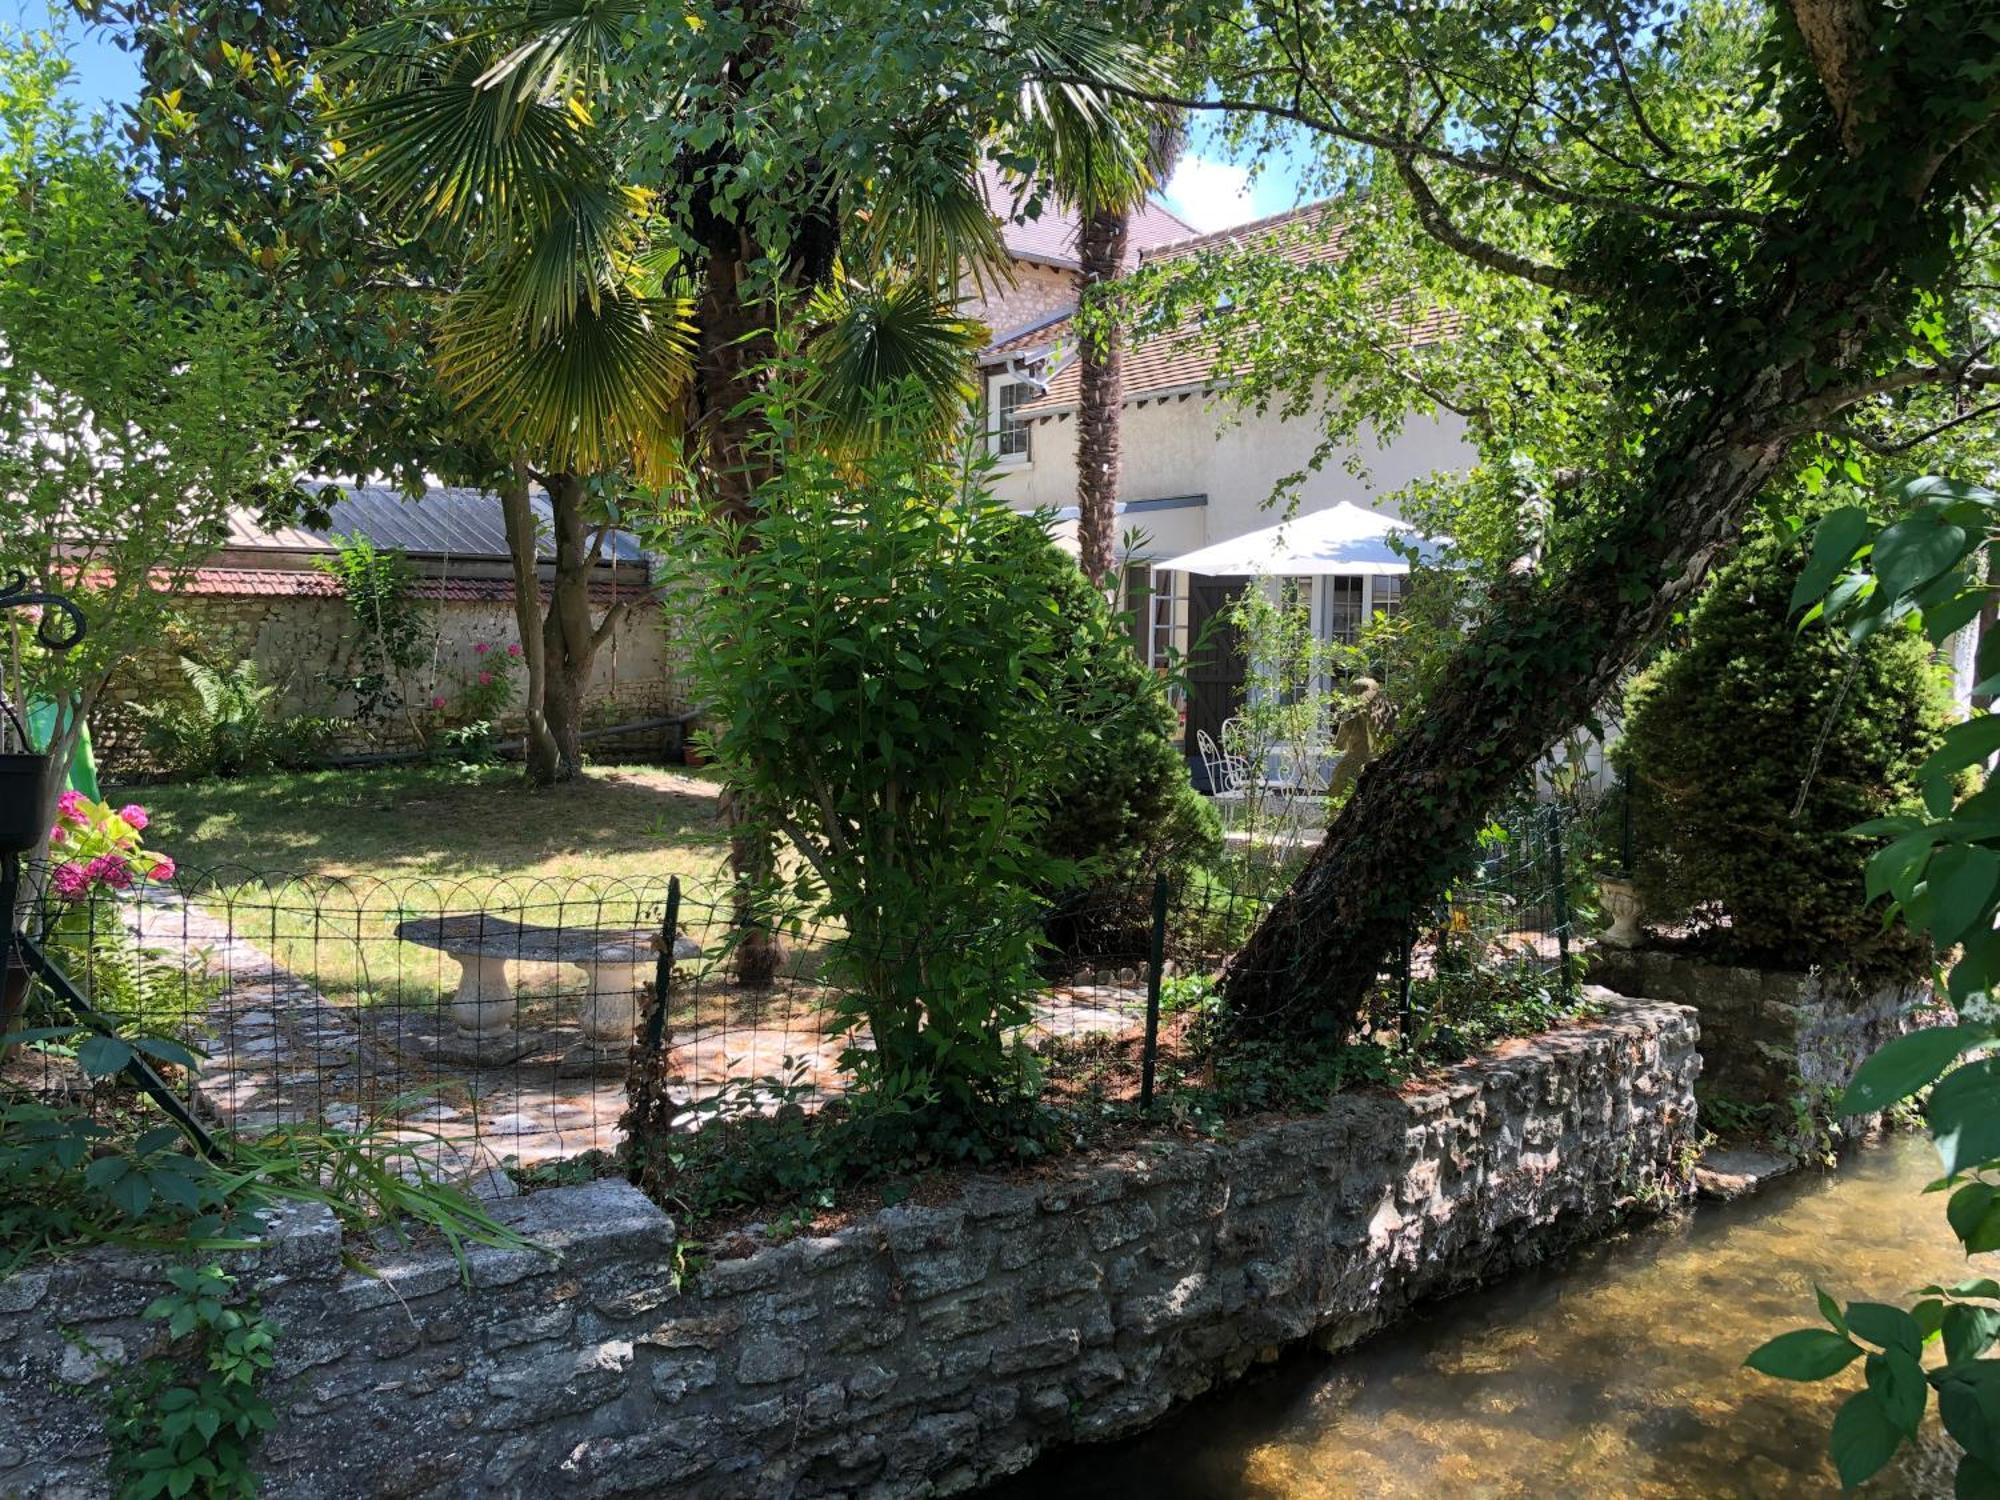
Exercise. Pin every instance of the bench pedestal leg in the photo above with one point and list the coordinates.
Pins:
(610, 1005)
(484, 1006)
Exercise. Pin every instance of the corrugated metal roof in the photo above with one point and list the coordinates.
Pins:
(446, 521)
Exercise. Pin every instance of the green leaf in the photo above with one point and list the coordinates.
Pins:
(1804, 1354)
(101, 1056)
(1863, 1439)
(1829, 1309)
(1891, 1327)
(1969, 1406)
(1969, 1211)
(1835, 541)
(1915, 550)
(1963, 745)
(1898, 1383)
(1962, 878)
(1905, 1065)
(1969, 1331)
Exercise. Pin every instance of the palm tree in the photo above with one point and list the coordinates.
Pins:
(486, 120)
(1107, 198)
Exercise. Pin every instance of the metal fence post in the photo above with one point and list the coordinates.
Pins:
(663, 968)
(1157, 958)
(1559, 874)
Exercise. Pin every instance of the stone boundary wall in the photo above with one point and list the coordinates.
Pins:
(304, 644)
(919, 1351)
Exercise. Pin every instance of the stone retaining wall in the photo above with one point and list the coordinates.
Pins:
(1770, 1036)
(919, 1351)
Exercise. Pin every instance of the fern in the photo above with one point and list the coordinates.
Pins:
(232, 727)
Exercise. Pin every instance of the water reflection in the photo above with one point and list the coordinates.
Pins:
(1615, 1373)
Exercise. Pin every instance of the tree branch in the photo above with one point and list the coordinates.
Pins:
(1439, 226)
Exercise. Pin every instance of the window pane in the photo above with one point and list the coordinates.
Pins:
(1389, 593)
(1343, 609)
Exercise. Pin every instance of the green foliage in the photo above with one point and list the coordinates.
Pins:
(392, 625)
(1465, 1011)
(1120, 805)
(757, 1145)
(184, 1422)
(883, 652)
(1940, 874)
(139, 398)
(232, 726)
(1751, 752)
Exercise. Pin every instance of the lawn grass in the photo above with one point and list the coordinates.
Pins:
(317, 868)
(445, 823)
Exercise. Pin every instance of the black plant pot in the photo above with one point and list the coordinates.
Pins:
(23, 779)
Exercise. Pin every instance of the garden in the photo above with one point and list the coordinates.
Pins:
(921, 1075)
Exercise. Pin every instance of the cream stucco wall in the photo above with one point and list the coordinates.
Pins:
(1200, 446)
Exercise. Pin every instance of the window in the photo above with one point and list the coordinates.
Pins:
(1138, 602)
(1389, 593)
(1006, 433)
(1343, 609)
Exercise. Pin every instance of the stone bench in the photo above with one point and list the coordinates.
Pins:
(484, 1006)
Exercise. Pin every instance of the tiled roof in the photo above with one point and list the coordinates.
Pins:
(1184, 358)
(291, 583)
(1050, 238)
(446, 521)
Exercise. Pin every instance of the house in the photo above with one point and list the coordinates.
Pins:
(1197, 471)
(267, 595)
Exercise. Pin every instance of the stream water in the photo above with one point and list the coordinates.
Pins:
(1615, 1372)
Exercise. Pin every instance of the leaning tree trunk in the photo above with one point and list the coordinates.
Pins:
(1540, 664)
(1820, 315)
(735, 343)
(1100, 246)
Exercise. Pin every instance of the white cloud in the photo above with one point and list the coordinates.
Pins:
(1210, 194)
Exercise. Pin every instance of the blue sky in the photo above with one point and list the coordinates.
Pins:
(104, 74)
(1207, 189)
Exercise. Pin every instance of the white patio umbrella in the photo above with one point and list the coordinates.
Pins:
(1343, 539)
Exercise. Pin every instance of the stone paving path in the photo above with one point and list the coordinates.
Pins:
(279, 1053)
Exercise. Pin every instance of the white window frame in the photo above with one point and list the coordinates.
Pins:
(996, 382)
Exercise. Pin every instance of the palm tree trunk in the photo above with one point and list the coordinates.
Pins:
(735, 343)
(518, 511)
(1101, 241)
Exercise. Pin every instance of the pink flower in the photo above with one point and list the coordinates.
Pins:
(437, 700)
(513, 648)
(112, 870)
(134, 814)
(70, 805)
(56, 834)
(482, 648)
(163, 868)
(71, 881)
(485, 679)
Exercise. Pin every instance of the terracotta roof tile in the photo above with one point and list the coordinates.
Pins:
(287, 583)
(1184, 359)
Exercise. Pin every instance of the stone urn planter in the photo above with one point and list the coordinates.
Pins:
(1622, 903)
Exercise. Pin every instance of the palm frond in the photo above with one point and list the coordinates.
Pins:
(889, 362)
(593, 241)
(936, 226)
(1076, 120)
(605, 390)
(423, 133)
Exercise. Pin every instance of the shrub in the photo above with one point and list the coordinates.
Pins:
(1120, 805)
(232, 726)
(1722, 735)
(883, 655)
